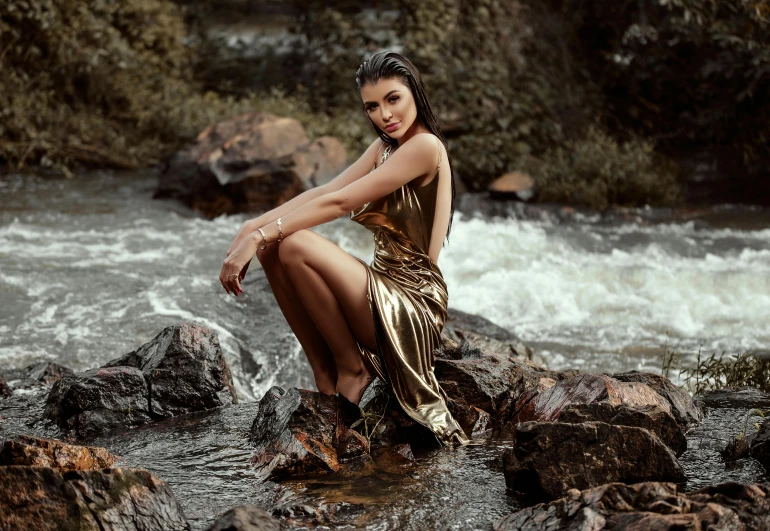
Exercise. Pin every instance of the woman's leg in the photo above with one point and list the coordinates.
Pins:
(317, 351)
(333, 288)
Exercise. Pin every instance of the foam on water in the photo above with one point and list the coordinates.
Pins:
(97, 268)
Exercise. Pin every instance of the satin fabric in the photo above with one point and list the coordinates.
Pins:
(408, 302)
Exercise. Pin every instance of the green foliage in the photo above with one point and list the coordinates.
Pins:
(597, 171)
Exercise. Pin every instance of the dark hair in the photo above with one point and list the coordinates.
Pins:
(393, 65)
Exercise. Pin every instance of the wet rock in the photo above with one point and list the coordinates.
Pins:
(550, 458)
(245, 518)
(737, 448)
(35, 451)
(547, 405)
(37, 374)
(486, 381)
(4, 389)
(184, 369)
(94, 500)
(759, 444)
(513, 185)
(652, 418)
(480, 333)
(300, 432)
(739, 398)
(250, 162)
(97, 400)
(685, 411)
(650, 505)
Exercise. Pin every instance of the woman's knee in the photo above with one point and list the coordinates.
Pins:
(290, 250)
(268, 256)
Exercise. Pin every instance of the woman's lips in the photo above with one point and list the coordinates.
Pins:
(392, 127)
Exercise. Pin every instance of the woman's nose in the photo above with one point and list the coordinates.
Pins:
(386, 115)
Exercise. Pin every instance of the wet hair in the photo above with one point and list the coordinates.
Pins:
(393, 65)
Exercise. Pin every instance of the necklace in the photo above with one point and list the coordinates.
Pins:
(385, 154)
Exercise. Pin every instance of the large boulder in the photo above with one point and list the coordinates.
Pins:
(179, 371)
(245, 518)
(550, 458)
(120, 499)
(98, 400)
(185, 370)
(651, 505)
(299, 432)
(35, 451)
(250, 162)
(683, 408)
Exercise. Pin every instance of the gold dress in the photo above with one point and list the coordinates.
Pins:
(408, 301)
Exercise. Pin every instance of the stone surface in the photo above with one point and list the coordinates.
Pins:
(513, 185)
(35, 451)
(550, 458)
(97, 400)
(685, 411)
(245, 518)
(480, 333)
(4, 389)
(37, 374)
(299, 432)
(250, 162)
(117, 499)
(759, 444)
(648, 506)
(652, 418)
(547, 404)
(741, 397)
(184, 369)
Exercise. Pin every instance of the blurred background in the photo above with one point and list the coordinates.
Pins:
(640, 130)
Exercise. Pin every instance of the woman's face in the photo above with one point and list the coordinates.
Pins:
(391, 106)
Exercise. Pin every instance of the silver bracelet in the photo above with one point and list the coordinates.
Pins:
(263, 245)
(280, 232)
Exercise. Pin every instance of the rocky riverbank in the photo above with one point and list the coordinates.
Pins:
(555, 449)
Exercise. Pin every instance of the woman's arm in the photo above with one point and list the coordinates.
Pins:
(352, 173)
(417, 157)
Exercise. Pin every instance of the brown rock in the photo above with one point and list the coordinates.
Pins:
(652, 418)
(512, 186)
(685, 411)
(35, 451)
(43, 499)
(251, 162)
(651, 505)
(299, 432)
(550, 458)
(245, 518)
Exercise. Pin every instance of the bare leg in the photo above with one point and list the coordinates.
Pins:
(333, 288)
(317, 351)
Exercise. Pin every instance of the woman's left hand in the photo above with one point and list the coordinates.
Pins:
(235, 265)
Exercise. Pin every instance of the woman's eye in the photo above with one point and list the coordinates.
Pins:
(393, 99)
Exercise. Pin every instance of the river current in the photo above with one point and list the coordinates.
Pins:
(92, 267)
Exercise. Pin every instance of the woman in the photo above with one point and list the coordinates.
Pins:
(356, 321)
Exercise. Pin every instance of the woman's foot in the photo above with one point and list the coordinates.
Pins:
(352, 386)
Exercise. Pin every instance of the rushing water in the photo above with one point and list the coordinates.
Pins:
(92, 267)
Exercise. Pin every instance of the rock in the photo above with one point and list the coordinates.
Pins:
(550, 458)
(547, 405)
(299, 432)
(477, 380)
(514, 185)
(245, 518)
(651, 505)
(759, 447)
(250, 162)
(98, 400)
(4, 389)
(36, 374)
(652, 418)
(737, 448)
(738, 398)
(685, 411)
(34, 451)
(479, 333)
(184, 369)
(93, 500)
